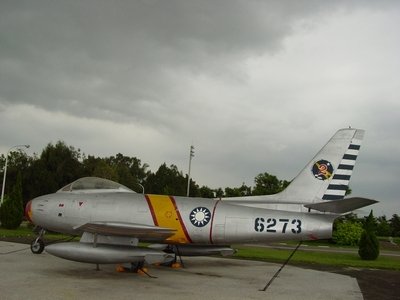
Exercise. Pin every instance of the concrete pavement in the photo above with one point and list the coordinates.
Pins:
(29, 276)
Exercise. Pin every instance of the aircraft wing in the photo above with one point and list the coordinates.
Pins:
(341, 206)
(127, 229)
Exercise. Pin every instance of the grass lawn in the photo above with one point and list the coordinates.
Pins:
(323, 258)
(26, 231)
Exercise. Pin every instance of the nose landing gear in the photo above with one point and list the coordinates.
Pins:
(37, 245)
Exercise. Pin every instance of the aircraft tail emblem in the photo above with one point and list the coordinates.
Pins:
(322, 169)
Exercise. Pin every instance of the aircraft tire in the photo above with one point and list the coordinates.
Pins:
(37, 247)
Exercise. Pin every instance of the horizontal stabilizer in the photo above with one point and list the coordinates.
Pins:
(341, 206)
(127, 229)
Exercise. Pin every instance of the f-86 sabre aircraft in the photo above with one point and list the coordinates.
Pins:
(113, 219)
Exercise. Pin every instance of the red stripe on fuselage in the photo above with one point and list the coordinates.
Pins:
(153, 215)
(180, 219)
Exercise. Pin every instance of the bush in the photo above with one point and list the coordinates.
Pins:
(369, 244)
(12, 210)
(11, 214)
(347, 233)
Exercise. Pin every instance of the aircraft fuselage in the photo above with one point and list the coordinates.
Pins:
(195, 220)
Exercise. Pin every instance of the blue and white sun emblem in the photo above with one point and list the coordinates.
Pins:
(200, 216)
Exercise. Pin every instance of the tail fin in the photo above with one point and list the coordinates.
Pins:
(328, 174)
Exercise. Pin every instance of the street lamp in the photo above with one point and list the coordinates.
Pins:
(191, 155)
(141, 187)
(5, 170)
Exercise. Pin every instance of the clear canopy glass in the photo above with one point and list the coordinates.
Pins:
(94, 183)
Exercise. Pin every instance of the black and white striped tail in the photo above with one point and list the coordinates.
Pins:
(341, 178)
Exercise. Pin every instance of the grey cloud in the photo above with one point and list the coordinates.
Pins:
(102, 59)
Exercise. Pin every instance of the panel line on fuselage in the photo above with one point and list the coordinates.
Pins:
(212, 220)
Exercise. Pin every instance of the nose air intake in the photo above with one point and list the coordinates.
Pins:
(28, 211)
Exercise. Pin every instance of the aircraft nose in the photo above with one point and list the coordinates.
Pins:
(28, 211)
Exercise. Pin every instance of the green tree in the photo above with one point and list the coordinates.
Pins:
(90, 163)
(12, 210)
(167, 181)
(232, 192)
(351, 217)
(206, 192)
(63, 162)
(395, 225)
(104, 170)
(383, 227)
(18, 163)
(219, 193)
(369, 244)
(194, 190)
(241, 191)
(130, 170)
(267, 184)
(245, 190)
(57, 166)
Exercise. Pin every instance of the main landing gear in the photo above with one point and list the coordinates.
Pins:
(174, 249)
(136, 267)
(37, 245)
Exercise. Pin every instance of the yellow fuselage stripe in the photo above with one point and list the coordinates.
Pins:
(165, 214)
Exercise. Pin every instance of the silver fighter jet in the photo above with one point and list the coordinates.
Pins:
(112, 219)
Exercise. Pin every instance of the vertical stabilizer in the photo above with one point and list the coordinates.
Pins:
(328, 174)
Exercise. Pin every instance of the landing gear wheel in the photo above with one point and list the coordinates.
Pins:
(37, 246)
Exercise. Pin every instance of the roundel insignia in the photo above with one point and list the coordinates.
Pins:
(200, 216)
(322, 169)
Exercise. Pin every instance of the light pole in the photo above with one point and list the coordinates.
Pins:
(191, 155)
(141, 187)
(5, 170)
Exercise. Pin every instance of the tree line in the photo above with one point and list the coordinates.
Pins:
(348, 229)
(60, 164)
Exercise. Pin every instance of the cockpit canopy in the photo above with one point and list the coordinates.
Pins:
(94, 184)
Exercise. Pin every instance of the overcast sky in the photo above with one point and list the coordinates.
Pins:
(255, 86)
